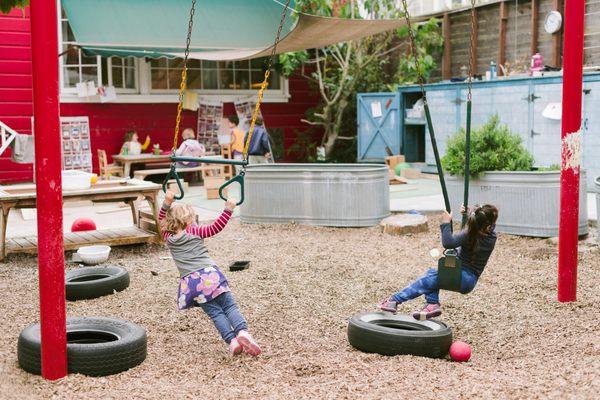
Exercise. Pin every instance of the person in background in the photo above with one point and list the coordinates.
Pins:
(259, 151)
(237, 139)
(132, 144)
(190, 147)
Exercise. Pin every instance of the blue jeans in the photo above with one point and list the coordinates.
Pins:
(226, 316)
(428, 285)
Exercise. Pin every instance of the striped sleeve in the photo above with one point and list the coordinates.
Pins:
(161, 215)
(206, 231)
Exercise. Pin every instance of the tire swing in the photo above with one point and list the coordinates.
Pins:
(93, 282)
(96, 346)
(398, 334)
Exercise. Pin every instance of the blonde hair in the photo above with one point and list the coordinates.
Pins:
(188, 133)
(179, 217)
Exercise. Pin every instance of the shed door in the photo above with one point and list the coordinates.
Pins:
(378, 125)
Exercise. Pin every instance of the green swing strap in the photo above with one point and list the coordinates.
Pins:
(449, 266)
(239, 178)
(173, 175)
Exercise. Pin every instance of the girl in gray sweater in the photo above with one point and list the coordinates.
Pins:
(202, 284)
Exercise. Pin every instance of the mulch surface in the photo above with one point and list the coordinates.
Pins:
(302, 287)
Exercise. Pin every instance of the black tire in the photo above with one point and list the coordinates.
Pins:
(96, 346)
(92, 282)
(391, 335)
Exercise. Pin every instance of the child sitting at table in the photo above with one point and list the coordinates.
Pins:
(132, 144)
(190, 148)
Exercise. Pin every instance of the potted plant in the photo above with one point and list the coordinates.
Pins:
(503, 174)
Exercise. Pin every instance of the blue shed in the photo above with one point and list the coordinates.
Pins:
(519, 102)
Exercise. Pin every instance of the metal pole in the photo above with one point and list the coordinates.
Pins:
(570, 149)
(44, 45)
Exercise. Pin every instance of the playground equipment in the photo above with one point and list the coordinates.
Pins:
(92, 282)
(392, 335)
(317, 194)
(239, 178)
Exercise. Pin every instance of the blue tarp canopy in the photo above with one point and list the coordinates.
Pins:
(223, 29)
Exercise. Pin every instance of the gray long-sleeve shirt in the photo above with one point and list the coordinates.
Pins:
(475, 261)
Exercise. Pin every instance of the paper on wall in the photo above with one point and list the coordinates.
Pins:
(86, 89)
(107, 94)
(553, 111)
(376, 109)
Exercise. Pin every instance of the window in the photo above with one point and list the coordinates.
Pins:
(211, 75)
(77, 67)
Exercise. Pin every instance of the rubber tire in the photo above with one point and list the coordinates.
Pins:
(117, 280)
(97, 359)
(425, 338)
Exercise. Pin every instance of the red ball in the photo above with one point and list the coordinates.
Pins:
(460, 351)
(83, 224)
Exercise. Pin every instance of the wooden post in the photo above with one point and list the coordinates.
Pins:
(535, 14)
(570, 150)
(447, 59)
(502, 37)
(475, 34)
(557, 37)
(51, 263)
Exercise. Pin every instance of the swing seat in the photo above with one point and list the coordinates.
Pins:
(450, 272)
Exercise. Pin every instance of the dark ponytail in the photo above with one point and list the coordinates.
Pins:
(478, 223)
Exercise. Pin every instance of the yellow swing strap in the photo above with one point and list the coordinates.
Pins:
(265, 82)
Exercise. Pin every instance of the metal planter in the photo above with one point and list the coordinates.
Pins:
(343, 195)
(528, 202)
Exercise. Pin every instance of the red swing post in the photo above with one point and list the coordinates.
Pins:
(570, 149)
(46, 112)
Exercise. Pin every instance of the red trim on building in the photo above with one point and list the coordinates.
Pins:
(109, 122)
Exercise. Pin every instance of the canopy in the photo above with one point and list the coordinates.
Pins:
(223, 29)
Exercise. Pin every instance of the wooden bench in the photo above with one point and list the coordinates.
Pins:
(142, 174)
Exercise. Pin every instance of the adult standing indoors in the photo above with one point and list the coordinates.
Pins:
(259, 151)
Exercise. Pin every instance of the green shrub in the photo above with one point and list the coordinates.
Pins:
(493, 148)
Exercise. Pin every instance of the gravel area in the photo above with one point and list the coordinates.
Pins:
(303, 285)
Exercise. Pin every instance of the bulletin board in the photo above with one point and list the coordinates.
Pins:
(76, 143)
(210, 117)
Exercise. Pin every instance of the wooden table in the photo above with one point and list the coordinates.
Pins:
(127, 159)
(126, 190)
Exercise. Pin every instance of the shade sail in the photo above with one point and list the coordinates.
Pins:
(223, 29)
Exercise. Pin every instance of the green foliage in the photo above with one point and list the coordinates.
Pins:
(7, 5)
(430, 44)
(493, 148)
(553, 167)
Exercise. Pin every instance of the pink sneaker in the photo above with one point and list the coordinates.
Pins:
(249, 344)
(235, 347)
(428, 312)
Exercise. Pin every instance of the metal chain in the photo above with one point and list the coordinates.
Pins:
(265, 82)
(183, 83)
(471, 46)
(413, 48)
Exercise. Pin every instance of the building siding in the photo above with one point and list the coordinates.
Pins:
(109, 122)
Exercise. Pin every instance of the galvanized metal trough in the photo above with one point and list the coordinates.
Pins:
(343, 195)
(528, 202)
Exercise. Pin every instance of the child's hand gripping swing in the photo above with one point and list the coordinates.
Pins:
(239, 178)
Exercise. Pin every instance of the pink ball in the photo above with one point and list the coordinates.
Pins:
(460, 351)
(83, 224)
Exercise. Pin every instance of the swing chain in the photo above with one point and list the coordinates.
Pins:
(413, 48)
(183, 83)
(471, 51)
(265, 82)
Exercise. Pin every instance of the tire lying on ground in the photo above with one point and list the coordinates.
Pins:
(391, 335)
(96, 346)
(92, 282)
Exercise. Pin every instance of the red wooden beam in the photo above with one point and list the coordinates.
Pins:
(570, 150)
(44, 43)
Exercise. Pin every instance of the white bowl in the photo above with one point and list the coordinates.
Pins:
(76, 180)
(92, 255)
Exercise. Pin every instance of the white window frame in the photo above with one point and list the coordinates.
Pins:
(143, 93)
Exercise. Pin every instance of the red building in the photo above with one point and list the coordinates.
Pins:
(146, 93)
